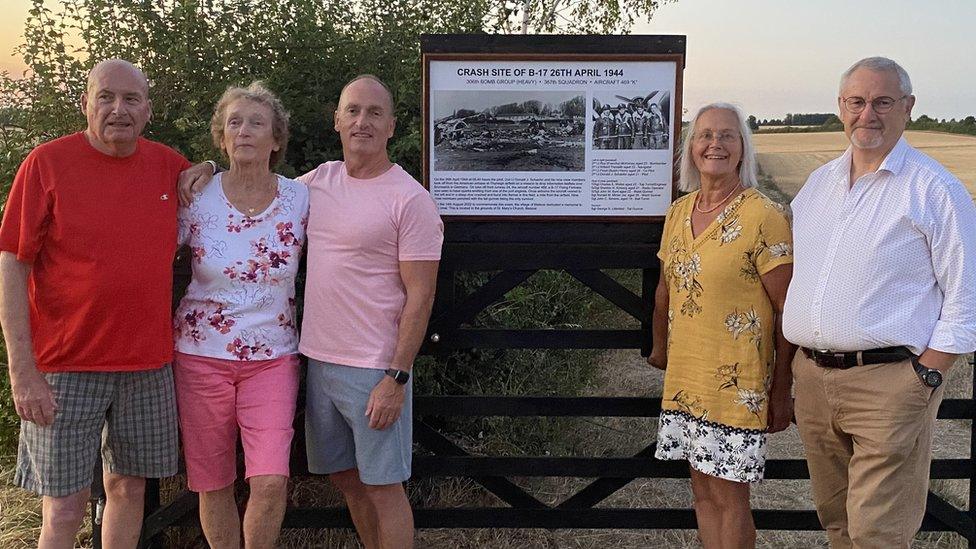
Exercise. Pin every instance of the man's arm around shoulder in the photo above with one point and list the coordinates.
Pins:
(33, 398)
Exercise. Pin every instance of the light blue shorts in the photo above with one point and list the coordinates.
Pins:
(337, 432)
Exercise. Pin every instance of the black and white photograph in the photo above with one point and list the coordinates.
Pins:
(628, 121)
(509, 131)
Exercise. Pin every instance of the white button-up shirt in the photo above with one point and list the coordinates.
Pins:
(888, 261)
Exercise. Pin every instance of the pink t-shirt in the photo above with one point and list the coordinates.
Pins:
(358, 232)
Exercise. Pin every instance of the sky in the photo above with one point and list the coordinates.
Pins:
(773, 57)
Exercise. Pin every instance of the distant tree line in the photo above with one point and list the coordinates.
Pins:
(812, 119)
(965, 126)
(802, 123)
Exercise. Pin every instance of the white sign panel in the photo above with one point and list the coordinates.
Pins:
(551, 138)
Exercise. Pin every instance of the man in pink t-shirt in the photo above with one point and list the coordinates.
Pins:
(374, 245)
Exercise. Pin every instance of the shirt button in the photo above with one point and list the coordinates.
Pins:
(816, 333)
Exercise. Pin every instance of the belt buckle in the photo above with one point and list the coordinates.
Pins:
(840, 363)
(830, 359)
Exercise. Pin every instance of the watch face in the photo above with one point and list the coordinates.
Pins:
(933, 378)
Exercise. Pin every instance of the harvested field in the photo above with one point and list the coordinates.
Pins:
(790, 157)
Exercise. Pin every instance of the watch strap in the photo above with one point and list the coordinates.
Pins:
(400, 376)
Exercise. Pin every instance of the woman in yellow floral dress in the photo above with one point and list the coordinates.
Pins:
(726, 256)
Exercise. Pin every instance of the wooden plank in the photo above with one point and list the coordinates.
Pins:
(477, 405)
(519, 256)
(602, 518)
(480, 338)
(552, 233)
(185, 505)
(602, 488)
(955, 519)
(503, 488)
(620, 468)
(599, 518)
(474, 405)
(492, 291)
(616, 293)
(551, 43)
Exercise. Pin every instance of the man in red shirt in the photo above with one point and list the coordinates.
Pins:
(86, 250)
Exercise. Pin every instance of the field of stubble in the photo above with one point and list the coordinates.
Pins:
(790, 157)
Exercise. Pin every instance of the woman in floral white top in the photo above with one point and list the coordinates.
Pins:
(726, 256)
(236, 365)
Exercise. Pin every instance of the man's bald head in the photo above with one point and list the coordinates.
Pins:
(116, 105)
(116, 66)
(372, 78)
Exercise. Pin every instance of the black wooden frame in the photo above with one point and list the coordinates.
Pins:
(672, 57)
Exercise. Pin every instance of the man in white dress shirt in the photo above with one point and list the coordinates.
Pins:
(882, 302)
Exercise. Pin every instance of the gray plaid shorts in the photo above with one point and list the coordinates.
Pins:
(132, 415)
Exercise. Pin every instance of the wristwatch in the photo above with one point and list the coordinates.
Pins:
(399, 376)
(929, 376)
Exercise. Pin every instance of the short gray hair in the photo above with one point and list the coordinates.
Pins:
(690, 178)
(257, 93)
(879, 64)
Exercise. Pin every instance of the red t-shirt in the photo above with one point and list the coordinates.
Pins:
(100, 235)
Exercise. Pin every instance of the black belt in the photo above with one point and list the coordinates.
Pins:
(845, 360)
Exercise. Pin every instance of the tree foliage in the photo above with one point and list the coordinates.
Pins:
(569, 16)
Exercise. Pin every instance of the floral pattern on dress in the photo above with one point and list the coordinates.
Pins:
(689, 403)
(241, 301)
(781, 249)
(730, 230)
(745, 323)
(684, 268)
(726, 452)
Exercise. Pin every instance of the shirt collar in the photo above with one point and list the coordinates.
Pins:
(895, 161)
(892, 163)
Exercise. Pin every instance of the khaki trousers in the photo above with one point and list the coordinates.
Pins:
(867, 432)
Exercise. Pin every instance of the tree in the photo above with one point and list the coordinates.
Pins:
(568, 16)
(753, 123)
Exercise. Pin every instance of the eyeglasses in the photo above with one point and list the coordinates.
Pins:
(725, 137)
(880, 105)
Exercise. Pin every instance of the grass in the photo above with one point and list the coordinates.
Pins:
(20, 513)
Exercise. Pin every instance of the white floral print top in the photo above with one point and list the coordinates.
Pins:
(240, 304)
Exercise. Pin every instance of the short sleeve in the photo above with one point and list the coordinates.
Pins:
(662, 252)
(27, 213)
(307, 178)
(774, 246)
(420, 231)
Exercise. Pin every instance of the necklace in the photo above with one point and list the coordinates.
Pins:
(715, 207)
(260, 198)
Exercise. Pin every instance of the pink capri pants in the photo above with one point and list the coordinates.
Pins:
(217, 399)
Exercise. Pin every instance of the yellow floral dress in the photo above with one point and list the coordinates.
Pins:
(720, 334)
